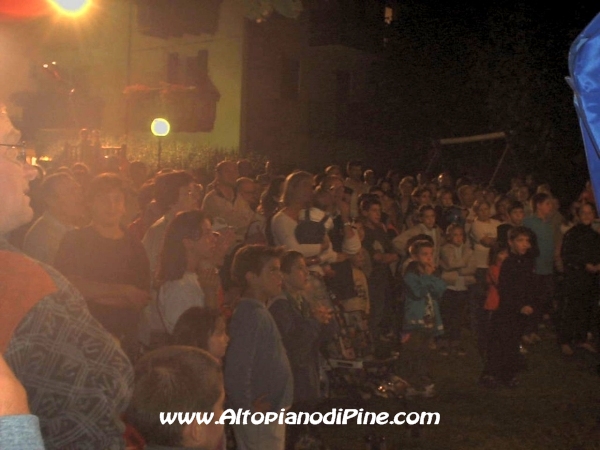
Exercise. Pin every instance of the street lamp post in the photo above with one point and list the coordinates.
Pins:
(160, 128)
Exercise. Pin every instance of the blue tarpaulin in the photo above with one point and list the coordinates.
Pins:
(584, 70)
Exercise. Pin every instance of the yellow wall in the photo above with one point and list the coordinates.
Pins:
(96, 45)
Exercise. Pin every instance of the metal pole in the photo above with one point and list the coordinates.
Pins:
(159, 153)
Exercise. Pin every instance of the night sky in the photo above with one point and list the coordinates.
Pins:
(461, 69)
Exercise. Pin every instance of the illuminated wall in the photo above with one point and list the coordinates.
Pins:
(95, 48)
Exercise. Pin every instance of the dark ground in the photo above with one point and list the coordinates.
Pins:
(556, 406)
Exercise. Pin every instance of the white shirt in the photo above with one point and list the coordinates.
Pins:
(176, 297)
(479, 230)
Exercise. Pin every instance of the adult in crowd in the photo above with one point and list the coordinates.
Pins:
(224, 202)
(55, 348)
(63, 199)
(174, 192)
(580, 254)
(354, 182)
(541, 226)
(106, 263)
(483, 235)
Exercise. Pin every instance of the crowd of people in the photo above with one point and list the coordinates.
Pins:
(143, 293)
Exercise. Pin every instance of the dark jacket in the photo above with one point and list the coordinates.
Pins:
(301, 334)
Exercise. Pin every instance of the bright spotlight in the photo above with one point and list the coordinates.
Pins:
(160, 127)
(71, 8)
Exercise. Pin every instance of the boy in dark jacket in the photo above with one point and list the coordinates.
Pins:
(507, 322)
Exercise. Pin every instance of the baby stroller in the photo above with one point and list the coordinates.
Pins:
(351, 367)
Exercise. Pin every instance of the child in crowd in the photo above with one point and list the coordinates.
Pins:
(300, 326)
(498, 253)
(515, 285)
(204, 328)
(361, 286)
(377, 242)
(422, 321)
(174, 379)
(258, 376)
(458, 270)
(302, 330)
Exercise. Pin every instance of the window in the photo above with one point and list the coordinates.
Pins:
(388, 15)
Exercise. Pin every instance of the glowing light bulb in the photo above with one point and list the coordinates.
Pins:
(71, 8)
(160, 127)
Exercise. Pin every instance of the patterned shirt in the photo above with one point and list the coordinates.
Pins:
(77, 378)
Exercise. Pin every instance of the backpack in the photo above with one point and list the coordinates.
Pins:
(310, 232)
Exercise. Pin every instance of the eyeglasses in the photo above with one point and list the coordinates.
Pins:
(15, 154)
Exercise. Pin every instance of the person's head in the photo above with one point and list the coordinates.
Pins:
(203, 328)
(519, 240)
(105, 198)
(175, 191)
(370, 209)
(188, 238)
(385, 185)
(483, 210)
(502, 205)
(455, 234)
(81, 173)
(15, 175)
(271, 198)
(445, 180)
(298, 189)
(522, 193)
(247, 188)
(541, 203)
(406, 186)
(244, 167)
(138, 172)
(333, 170)
(256, 269)
(466, 195)
(294, 270)
(516, 212)
(422, 196)
(586, 213)
(335, 186)
(445, 198)
(427, 215)
(182, 379)
(498, 253)
(63, 197)
(369, 177)
(226, 173)
(422, 252)
(322, 199)
(490, 195)
(360, 229)
(354, 169)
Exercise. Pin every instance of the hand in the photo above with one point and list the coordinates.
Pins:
(527, 310)
(261, 404)
(209, 278)
(322, 314)
(591, 268)
(13, 397)
(136, 297)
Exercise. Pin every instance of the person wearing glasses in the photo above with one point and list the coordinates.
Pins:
(49, 339)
